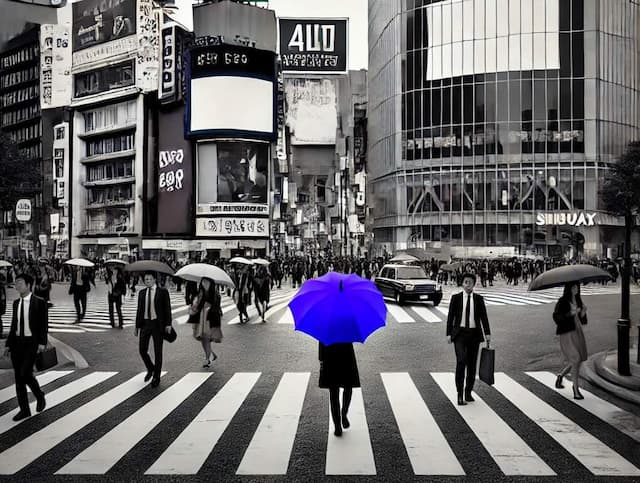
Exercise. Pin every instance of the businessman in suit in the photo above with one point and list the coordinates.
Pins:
(465, 323)
(152, 319)
(79, 288)
(116, 288)
(27, 337)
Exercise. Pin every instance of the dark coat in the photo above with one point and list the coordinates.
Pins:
(456, 317)
(162, 305)
(338, 366)
(119, 287)
(38, 321)
(85, 287)
(565, 322)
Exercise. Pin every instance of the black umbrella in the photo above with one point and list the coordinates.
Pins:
(560, 276)
(149, 266)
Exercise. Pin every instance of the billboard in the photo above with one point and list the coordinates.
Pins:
(231, 92)
(98, 21)
(313, 45)
(55, 66)
(312, 110)
(171, 64)
(148, 51)
(174, 175)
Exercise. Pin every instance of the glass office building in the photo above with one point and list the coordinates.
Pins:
(492, 123)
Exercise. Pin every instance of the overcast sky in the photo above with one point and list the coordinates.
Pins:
(354, 10)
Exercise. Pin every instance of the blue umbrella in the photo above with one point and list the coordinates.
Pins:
(338, 308)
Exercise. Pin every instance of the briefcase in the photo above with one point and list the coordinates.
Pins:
(487, 365)
(46, 359)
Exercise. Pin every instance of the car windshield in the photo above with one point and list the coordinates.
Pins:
(411, 273)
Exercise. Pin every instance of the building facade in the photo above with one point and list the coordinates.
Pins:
(495, 122)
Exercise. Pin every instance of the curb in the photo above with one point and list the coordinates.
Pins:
(589, 372)
(69, 353)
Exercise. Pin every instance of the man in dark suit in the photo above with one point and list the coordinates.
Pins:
(467, 312)
(116, 288)
(27, 337)
(79, 288)
(152, 319)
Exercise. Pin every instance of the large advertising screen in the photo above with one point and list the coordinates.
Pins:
(99, 21)
(312, 112)
(232, 92)
(313, 45)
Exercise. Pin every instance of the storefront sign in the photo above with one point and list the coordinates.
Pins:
(148, 51)
(312, 112)
(233, 227)
(23, 210)
(233, 209)
(54, 221)
(573, 219)
(100, 21)
(55, 66)
(168, 80)
(312, 45)
(104, 51)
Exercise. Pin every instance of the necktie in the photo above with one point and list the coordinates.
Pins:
(467, 312)
(21, 317)
(148, 303)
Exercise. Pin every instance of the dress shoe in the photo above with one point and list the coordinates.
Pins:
(148, 376)
(21, 415)
(576, 394)
(559, 384)
(461, 400)
(338, 431)
(41, 404)
(155, 382)
(468, 397)
(345, 421)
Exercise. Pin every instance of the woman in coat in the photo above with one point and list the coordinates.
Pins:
(570, 315)
(338, 368)
(206, 315)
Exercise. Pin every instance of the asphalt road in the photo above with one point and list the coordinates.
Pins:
(408, 425)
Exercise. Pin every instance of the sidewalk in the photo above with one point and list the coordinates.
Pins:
(602, 370)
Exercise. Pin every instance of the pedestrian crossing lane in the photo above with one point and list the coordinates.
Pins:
(43, 379)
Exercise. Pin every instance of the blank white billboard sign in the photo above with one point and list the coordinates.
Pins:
(232, 103)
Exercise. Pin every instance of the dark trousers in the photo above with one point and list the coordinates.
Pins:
(23, 356)
(116, 301)
(334, 399)
(80, 298)
(151, 328)
(466, 345)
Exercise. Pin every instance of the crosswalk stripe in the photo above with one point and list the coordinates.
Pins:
(518, 298)
(428, 450)
(29, 449)
(351, 454)
(588, 450)
(399, 314)
(512, 455)
(444, 310)
(495, 304)
(43, 379)
(526, 295)
(507, 300)
(426, 314)
(270, 448)
(98, 458)
(59, 396)
(620, 419)
(189, 451)
(287, 317)
(66, 331)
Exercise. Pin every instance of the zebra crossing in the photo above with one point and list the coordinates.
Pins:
(425, 442)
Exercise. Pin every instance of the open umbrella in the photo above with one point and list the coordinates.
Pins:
(4, 263)
(149, 266)
(338, 308)
(241, 260)
(261, 261)
(115, 261)
(558, 277)
(197, 271)
(450, 267)
(404, 257)
(79, 262)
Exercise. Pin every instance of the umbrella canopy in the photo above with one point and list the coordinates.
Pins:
(241, 260)
(115, 261)
(557, 277)
(4, 263)
(79, 262)
(404, 257)
(338, 308)
(197, 271)
(450, 267)
(420, 253)
(149, 266)
(261, 261)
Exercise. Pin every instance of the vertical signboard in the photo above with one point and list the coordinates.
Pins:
(174, 175)
(312, 112)
(171, 76)
(55, 66)
(148, 46)
(313, 45)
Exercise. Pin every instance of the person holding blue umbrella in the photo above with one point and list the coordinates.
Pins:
(337, 310)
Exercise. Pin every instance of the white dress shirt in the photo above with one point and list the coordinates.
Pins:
(26, 301)
(468, 298)
(151, 292)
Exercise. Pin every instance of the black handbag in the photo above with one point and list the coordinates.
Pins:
(169, 336)
(487, 365)
(46, 359)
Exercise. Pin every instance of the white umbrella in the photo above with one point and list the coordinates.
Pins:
(116, 261)
(261, 261)
(241, 260)
(4, 263)
(79, 262)
(196, 271)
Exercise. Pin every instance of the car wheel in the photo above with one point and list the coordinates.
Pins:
(398, 298)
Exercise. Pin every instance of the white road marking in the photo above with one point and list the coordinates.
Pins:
(287, 317)
(270, 448)
(426, 314)
(43, 379)
(399, 314)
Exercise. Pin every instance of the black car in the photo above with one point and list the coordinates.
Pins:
(408, 282)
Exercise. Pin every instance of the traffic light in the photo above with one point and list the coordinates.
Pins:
(43, 3)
